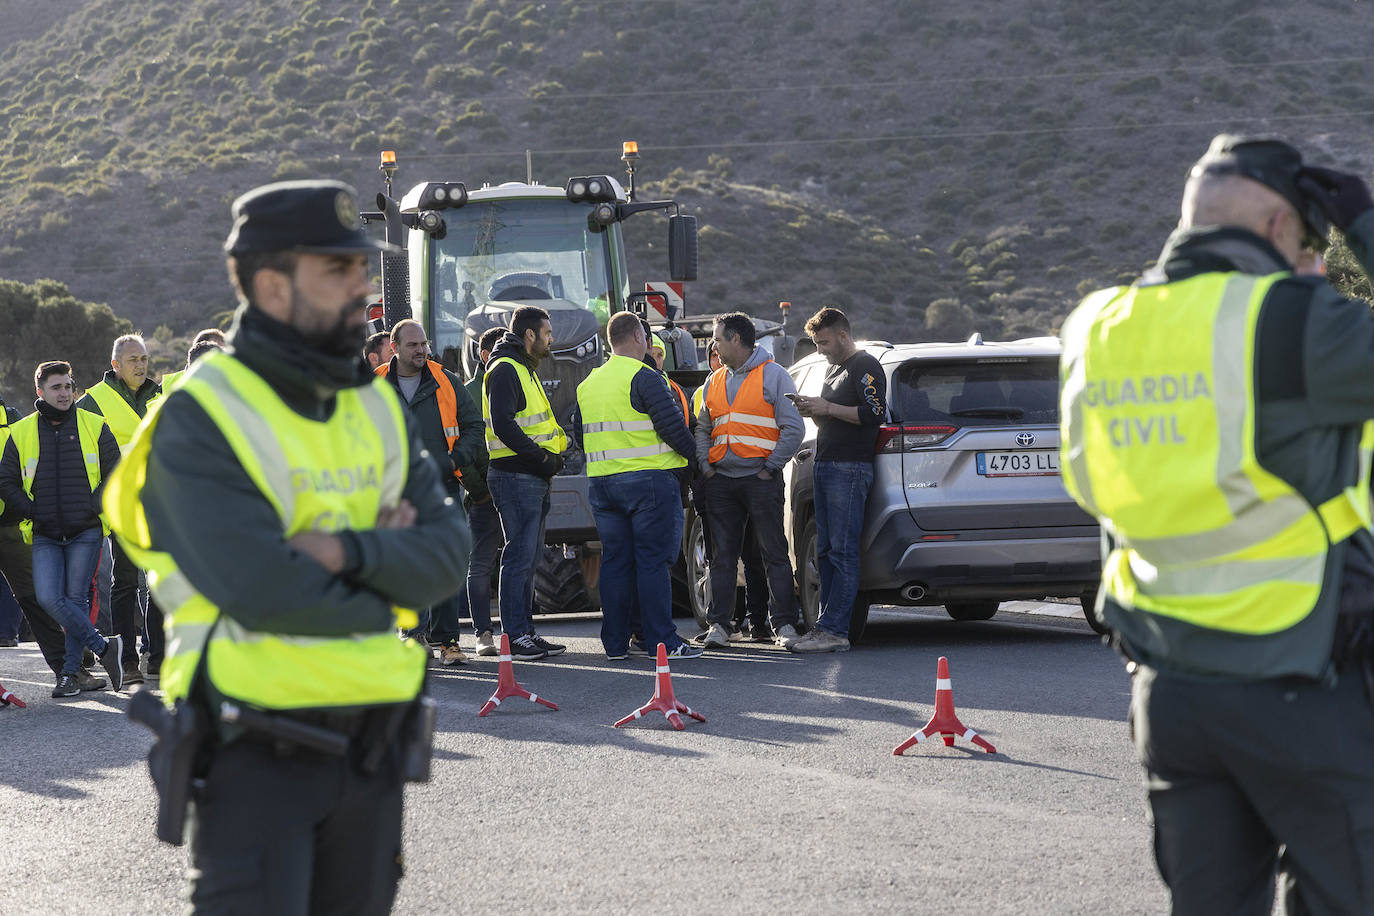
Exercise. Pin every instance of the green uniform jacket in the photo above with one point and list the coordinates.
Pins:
(1314, 359)
(226, 538)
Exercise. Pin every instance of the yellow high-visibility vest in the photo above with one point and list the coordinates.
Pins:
(1158, 424)
(318, 476)
(618, 438)
(25, 436)
(536, 420)
(122, 418)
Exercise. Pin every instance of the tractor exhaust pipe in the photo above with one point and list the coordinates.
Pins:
(914, 592)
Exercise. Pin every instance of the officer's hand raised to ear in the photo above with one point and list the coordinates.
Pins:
(1343, 197)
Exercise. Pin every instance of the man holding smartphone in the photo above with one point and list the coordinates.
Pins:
(852, 404)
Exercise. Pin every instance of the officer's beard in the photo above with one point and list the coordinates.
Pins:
(345, 337)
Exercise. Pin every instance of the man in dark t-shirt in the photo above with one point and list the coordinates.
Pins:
(852, 404)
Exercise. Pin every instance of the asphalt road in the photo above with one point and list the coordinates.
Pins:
(788, 798)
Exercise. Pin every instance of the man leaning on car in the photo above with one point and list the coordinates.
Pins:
(850, 408)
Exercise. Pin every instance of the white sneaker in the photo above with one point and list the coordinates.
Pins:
(716, 638)
(787, 636)
(486, 646)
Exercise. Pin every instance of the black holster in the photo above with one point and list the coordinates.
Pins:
(181, 735)
(417, 739)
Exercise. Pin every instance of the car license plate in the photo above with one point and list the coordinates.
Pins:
(1018, 464)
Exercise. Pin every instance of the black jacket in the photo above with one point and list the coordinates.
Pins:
(507, 399)
(226, 538)
(63, 505)
(424, 407)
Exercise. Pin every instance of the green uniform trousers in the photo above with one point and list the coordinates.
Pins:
(1239, 772)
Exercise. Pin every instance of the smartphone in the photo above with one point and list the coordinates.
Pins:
(791, 396)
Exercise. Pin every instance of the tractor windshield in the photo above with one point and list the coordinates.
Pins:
(520, 251)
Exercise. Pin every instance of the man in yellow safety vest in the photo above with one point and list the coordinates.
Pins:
(526, 446)
(122, 397)
(633, 432)
(1216, 419)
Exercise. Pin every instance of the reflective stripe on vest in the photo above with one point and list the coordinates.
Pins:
(447, 398)
(318, 476)
(618, 438)
(1158, 442)
(535, 420)
(746, 425)
(122, 418)
(25, 435)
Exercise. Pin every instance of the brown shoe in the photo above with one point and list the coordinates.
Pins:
(452, 655)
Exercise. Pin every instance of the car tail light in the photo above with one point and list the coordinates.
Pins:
(893, 439)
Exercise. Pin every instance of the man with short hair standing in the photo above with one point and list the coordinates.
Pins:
(635, 437)
(16, 566)
(475, 601)
(746, 433)
(379, 349)
(851, 407)
(452, 430)
(206, 339)
(328, 523)
(526, 446)
(122, 398)
(53, 472)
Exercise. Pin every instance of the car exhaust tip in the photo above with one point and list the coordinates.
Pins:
(914, 592)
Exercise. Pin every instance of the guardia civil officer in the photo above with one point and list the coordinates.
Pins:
(288, 514)
(634, 433)
(1216, 420)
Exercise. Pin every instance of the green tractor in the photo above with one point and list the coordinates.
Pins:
(472, 256)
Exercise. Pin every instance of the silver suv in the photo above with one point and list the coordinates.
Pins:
(967, 507)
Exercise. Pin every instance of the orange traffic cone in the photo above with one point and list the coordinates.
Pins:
(506, 687)
(663, 700)
(945, 721)
(9, 699)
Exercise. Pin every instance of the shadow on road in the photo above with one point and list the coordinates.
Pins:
(63, 748)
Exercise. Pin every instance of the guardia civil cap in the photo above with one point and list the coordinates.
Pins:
(316, 217)
(1274, 164)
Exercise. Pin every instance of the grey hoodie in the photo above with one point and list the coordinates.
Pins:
(776, 384)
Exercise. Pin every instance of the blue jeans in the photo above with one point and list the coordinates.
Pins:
(522, 502)
(475, 601)
(841, 497)
(639, 520)
(62, 572)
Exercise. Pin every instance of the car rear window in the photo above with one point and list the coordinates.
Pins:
(991, 391)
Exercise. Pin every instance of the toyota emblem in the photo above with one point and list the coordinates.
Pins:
(1025, 440)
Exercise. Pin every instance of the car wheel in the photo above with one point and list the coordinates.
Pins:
(698, 570)
(1088, 599)
(971, 610)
